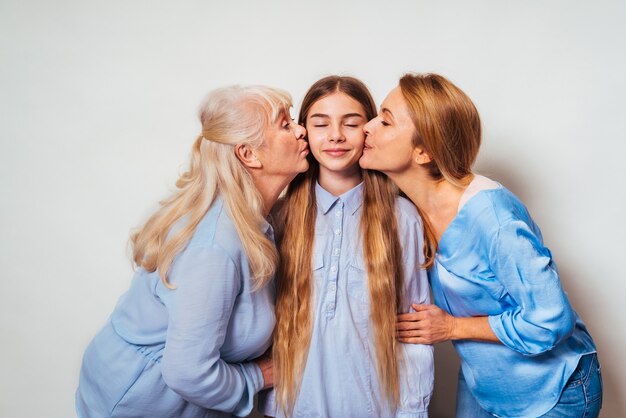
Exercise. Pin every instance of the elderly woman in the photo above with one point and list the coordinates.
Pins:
(185, 339)
(524, 351)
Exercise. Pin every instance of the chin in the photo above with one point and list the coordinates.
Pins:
(366, 163)
(304, 167)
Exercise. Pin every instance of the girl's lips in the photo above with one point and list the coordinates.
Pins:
(336, 152)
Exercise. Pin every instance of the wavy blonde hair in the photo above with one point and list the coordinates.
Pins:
(230, 116)
(381, 250)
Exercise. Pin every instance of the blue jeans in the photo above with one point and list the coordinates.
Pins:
(581, 397)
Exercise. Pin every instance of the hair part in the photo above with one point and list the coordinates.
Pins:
(381, 250)
(230, 116)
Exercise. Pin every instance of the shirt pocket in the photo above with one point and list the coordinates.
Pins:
(358, 292)
(318, 263)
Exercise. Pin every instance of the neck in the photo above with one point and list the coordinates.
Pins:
(269, 189)
(437, 199)
(337, 183)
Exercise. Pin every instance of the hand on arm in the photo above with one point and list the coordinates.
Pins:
(430, 324)
(265, 364)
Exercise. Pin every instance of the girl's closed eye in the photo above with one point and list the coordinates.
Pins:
(353, 120)
(353, 123)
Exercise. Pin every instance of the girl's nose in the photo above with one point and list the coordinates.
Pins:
(337, 135)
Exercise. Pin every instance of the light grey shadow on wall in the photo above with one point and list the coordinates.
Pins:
(443, 402)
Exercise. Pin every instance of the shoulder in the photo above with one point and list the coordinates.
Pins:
(406, 213)
(498, 212)
(500, 206)
(216, 231)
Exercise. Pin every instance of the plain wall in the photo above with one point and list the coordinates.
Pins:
(98, 106)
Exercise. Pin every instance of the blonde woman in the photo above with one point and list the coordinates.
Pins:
(350, 261)
(185, 339)
(524, 351)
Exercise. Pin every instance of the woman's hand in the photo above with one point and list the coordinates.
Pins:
(265, 364)
(429, 324)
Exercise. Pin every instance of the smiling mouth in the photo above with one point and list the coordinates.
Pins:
(336, 152)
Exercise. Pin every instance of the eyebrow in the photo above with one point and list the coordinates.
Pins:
(283, 114)
(385, 110)
(347, 115)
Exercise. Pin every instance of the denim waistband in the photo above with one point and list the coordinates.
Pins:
(584, 367)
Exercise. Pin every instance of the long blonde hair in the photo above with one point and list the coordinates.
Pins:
(229, 116)
(381, 250)
(447, 126)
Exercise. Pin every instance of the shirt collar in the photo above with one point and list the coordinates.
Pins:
(267, 229)
(352, 199)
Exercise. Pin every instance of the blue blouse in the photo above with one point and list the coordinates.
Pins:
(492, 262)
(185, 352)
(340, 378)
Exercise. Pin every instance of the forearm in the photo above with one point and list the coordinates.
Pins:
(472, 328)
(430, 324)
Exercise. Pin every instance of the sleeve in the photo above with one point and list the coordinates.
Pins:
(267, 403)
(207, 283)
(417, 370)
(542, 315)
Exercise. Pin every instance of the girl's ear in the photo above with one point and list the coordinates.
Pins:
(246, 155)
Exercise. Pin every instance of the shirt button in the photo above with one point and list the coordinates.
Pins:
(336, 251)
(337, 231)
(338, 213)
(333, 268)
(332, 288)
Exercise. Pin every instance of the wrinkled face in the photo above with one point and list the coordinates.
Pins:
(284, 149)
(389, 137)
(335, 132)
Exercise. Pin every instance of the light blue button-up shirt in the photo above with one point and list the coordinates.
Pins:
(491, 261)
(340, 378)
(187, 352)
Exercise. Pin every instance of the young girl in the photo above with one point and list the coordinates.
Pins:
(349, 263)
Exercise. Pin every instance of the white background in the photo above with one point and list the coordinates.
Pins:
(98, 106)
